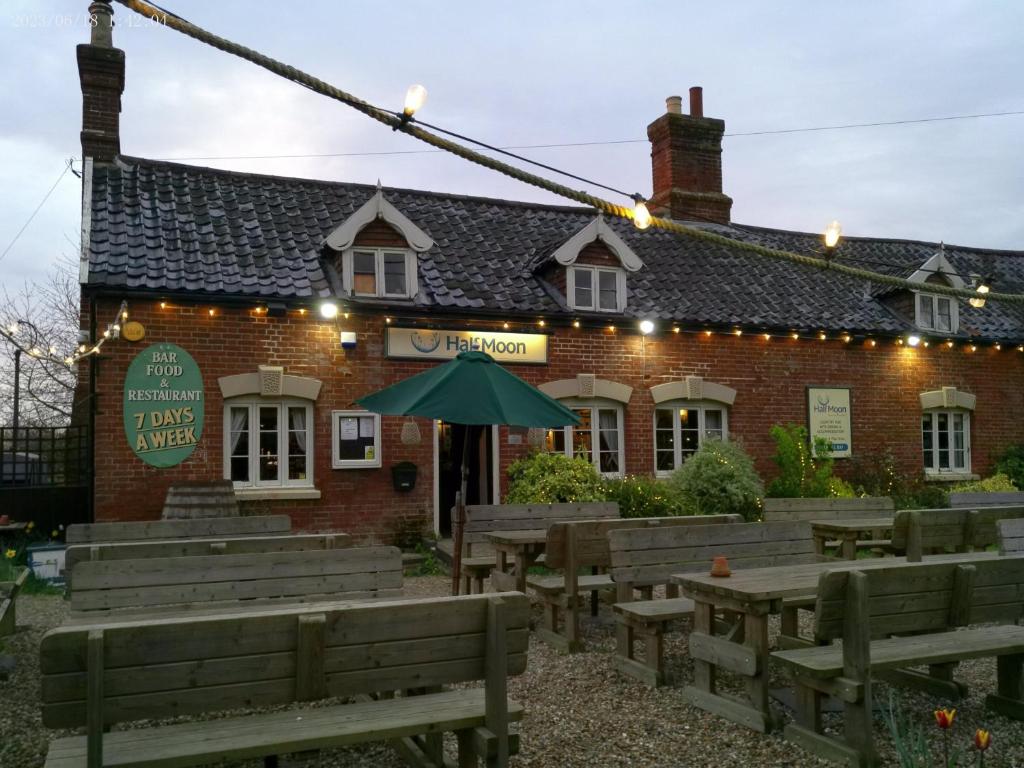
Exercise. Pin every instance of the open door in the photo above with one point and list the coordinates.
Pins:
(448, 465)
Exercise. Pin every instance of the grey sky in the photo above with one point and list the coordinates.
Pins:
(544, 72)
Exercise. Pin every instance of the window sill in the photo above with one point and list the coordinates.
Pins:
(276, 494)
(950, 477)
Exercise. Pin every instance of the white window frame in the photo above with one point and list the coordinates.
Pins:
(594, 306)
(954, 312)
(336, 461)
(348, 272)
(935, 469)
(595, 453)
(282, 406)
(677, 429)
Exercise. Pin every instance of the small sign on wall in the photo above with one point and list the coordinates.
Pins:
(163, 405)
(828, 418)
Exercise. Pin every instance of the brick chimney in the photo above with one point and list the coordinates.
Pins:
(686, 157)
(101, 73)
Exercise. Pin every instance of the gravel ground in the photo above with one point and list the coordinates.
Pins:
(579, 711)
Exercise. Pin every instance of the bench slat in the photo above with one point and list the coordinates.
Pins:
(88, 533)
(256, 736)
(827, 660)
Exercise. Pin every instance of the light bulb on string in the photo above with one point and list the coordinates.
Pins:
(832, 233)
(641, 216)
(415, 98)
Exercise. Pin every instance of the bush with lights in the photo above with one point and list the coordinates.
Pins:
(719, 479)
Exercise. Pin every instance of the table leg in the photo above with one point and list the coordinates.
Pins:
(704, 671)
(849, 545)
(756, 639)
(819, 544)
(520, 570)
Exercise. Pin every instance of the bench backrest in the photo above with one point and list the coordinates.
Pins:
(262, 525)
(590, 537)
(973, 500)
(793, 510)
(482, 518)
(923, 597)
(211, 581)
(650, 556)
(921, 531)
(237, 545)
(1011, 536)
(171, 667)
(200, 498)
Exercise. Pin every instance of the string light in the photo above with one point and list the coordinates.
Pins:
(872, 343)
(675, 329)
(707, 333)
(163, 305)
(302, 310)
(1020, 348)
(767, 337)
(541, 323)
(795, 336)
(387, 320)
(611, 328)
(847, 338)
(974, 347)
(641, 216)
(949, 344)
(575, 323)
(738, 332)
(822, 336)
(212, 311)
(998, 347)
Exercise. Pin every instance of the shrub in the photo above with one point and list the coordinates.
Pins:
(550, 478)
(922, 495)
(802, 475)
(719, 479)
(642, 496)
(1011, 464)
(998, 483)
(876, 475)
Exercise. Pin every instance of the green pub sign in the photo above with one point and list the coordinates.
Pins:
(163, 405)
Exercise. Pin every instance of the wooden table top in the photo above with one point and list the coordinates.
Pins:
(532, 536)
(757, 584)
(852, 524)
(12, 527)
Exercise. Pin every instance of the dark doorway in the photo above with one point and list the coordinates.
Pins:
(450, 440)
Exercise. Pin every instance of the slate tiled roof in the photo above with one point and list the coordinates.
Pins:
(177, 229)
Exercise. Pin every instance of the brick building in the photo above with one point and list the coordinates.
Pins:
(233, 270)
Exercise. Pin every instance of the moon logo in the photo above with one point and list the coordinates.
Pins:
(426, 341)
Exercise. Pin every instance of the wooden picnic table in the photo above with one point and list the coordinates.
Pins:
(12, 527)
(848, 531)
(754, 594)
(523, 547)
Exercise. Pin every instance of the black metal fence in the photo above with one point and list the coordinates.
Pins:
(45, 475)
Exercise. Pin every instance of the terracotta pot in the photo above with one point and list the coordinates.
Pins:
(720, 566)
(5, 519)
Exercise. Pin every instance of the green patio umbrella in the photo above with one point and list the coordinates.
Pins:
(472, 390)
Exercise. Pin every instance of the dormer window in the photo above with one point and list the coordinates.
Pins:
(595, 288)
(381, 272)
(378, 246)
(936, 313)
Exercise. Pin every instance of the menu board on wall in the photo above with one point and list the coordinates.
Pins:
(828, 418)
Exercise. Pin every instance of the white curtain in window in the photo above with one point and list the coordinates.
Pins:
(239, 423)
(297, 422)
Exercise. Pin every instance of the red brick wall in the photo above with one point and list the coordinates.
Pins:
(769, 376)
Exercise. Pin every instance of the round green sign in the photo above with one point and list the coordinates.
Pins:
(163, 405)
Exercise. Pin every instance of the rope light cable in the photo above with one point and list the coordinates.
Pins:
(412, 128)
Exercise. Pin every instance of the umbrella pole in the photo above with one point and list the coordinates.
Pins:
(460, 513)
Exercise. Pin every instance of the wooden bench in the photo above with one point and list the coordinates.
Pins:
(861, 508)
(1011, 536)
(644, 558)
(584, 544)
(862, 608)
(974, 500)
(160, 548)
(478, 559)
(158, 586)
(200, 498)
(261, 525)
(100, 676)
(919, 532)
(8, 600)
